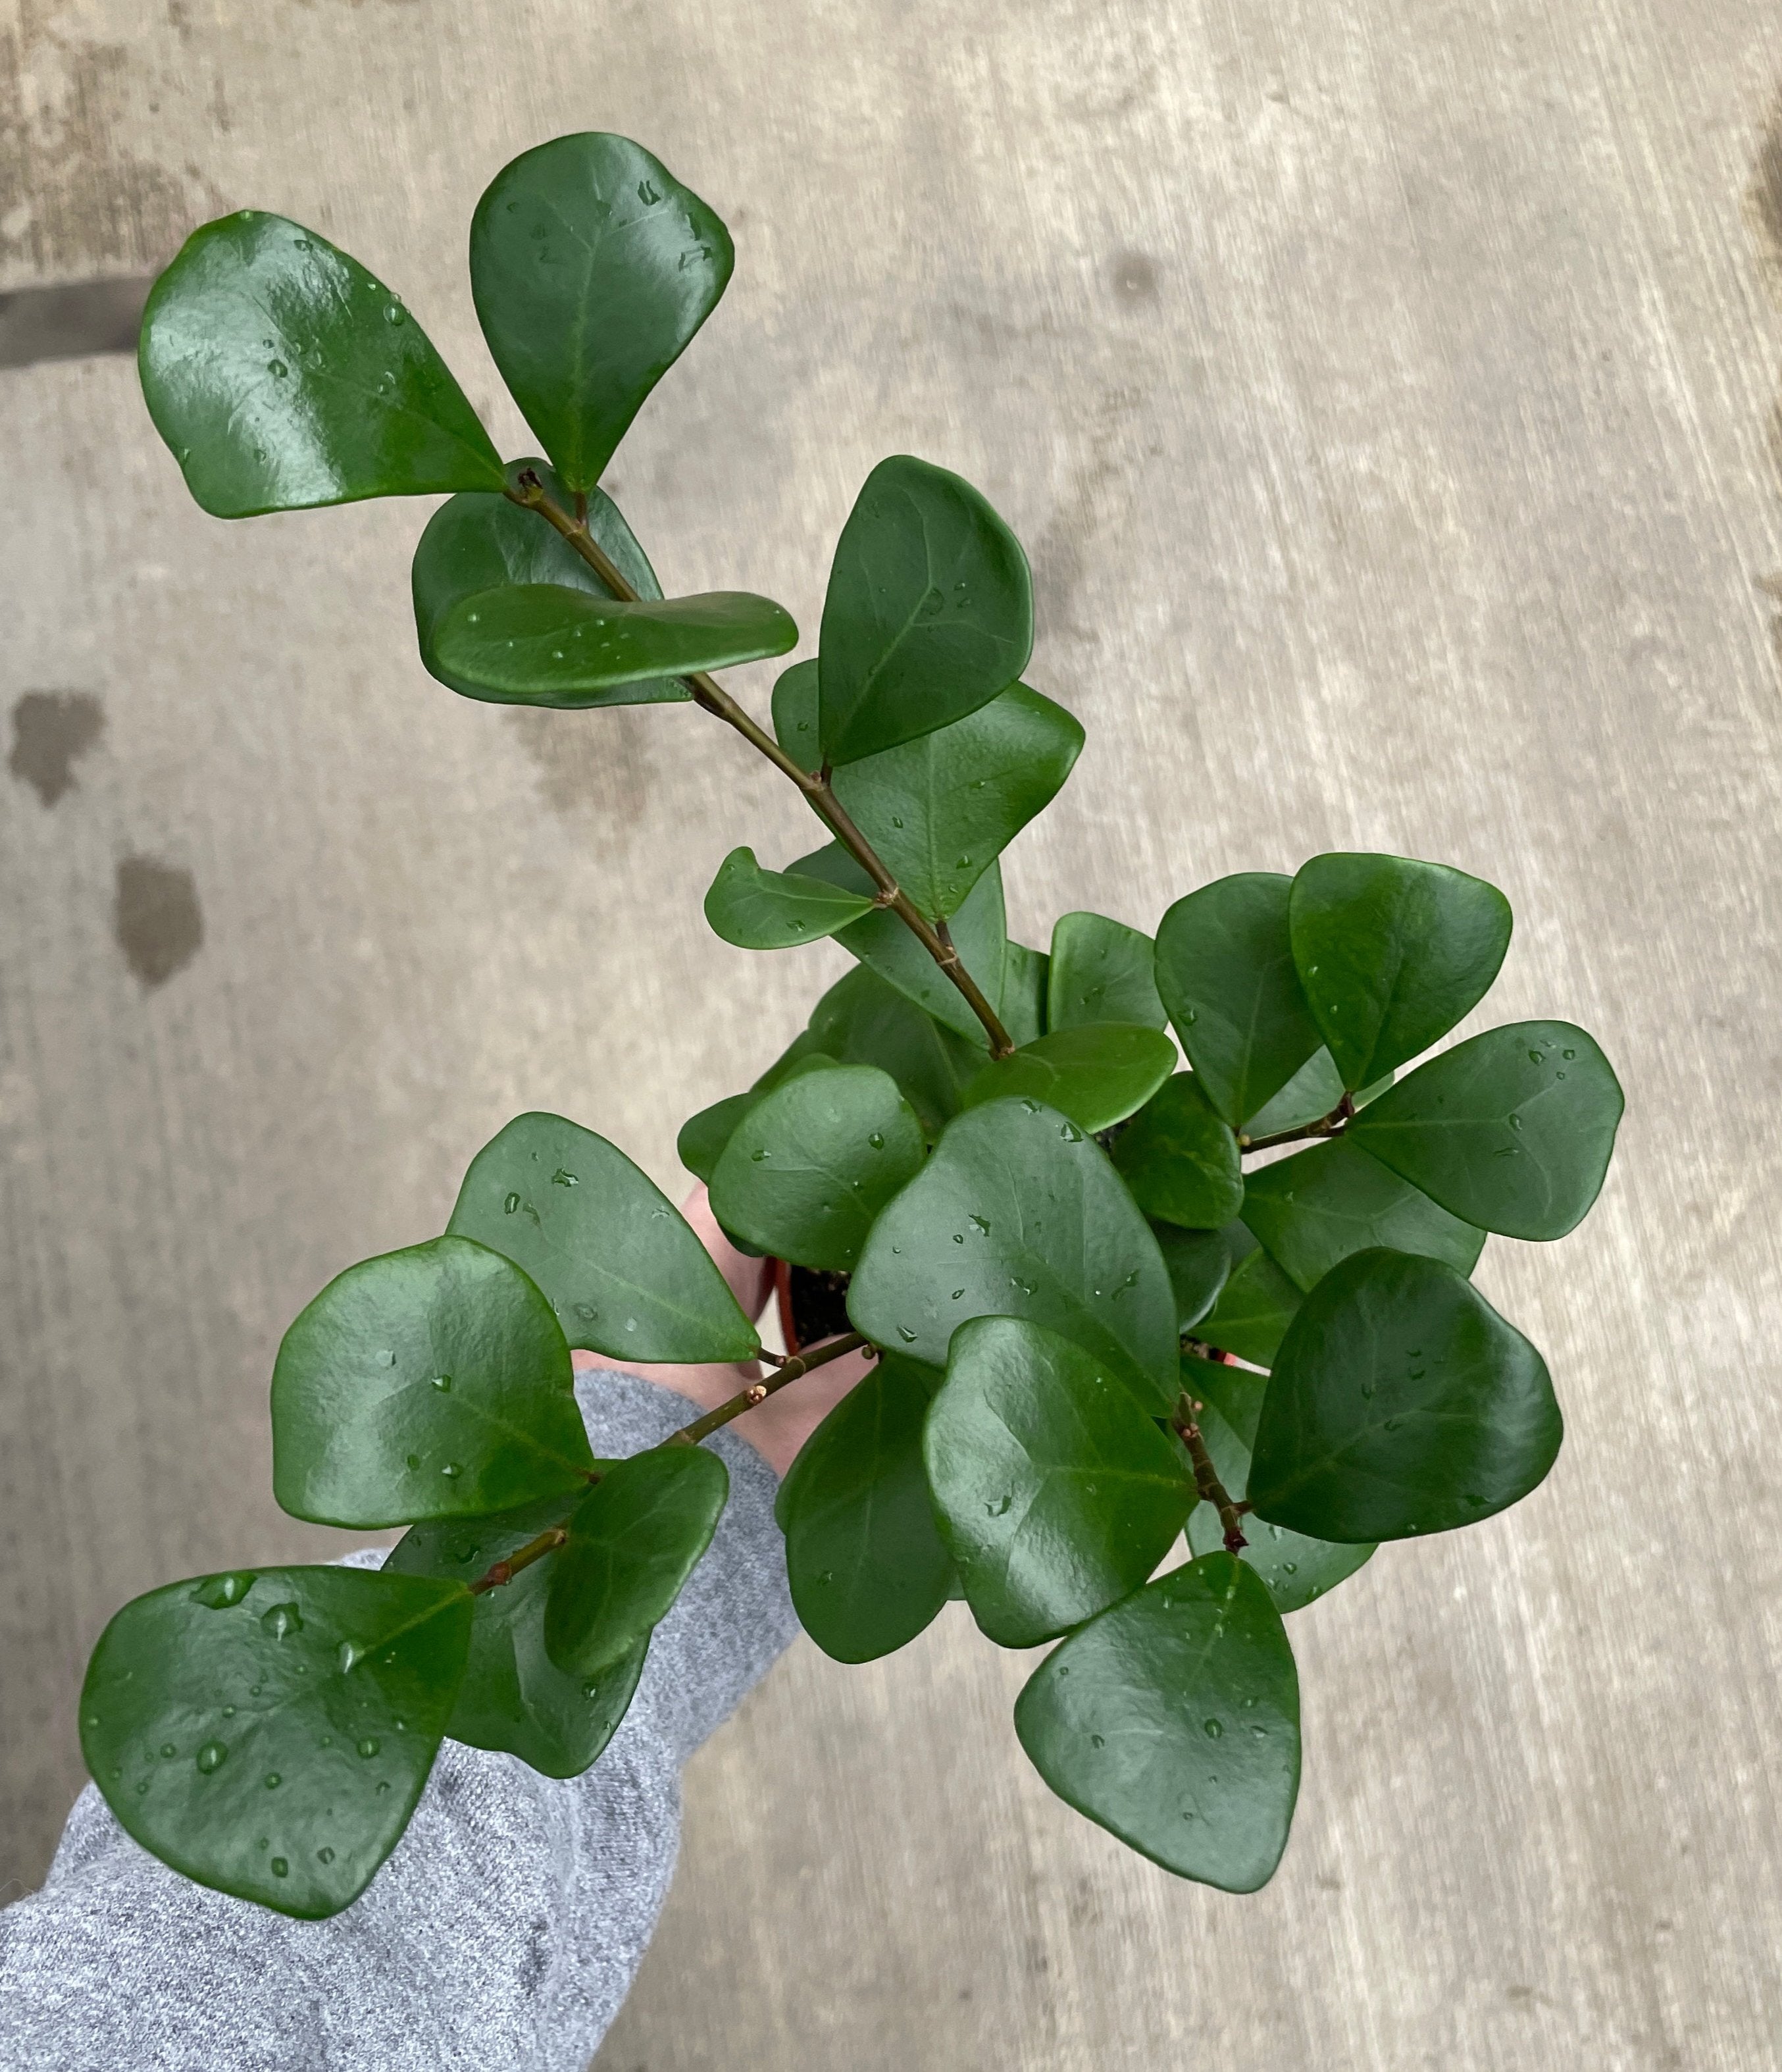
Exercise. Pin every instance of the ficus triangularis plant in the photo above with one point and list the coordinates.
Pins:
(1102, 1321)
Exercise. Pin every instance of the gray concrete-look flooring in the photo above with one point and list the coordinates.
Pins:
(1385, 391)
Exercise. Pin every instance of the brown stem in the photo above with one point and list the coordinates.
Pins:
(505, 1570)
(712, 697)
(746, 1399)
(1332, 1125)
(1206, 1481)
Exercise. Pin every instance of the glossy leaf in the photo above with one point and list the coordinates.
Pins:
(1400, 1403)
(1199, 1262)
(1173, 1721)
(1180, 1160)
(1019, 1213)
(776, 909)
(617, 1261)
(282, 375)
(1225, 972)
(980, 933)
(812, 1163)
(1318, 1207)
(545, 644)
(1314, 1092)
(1101, 971)
(1512, 1130)
(634, 1539)
(703, 1137)
(1057, 1492)
(1391, 954)
(1296, 1569)
(513, 1696)
(940, 809)
(268, 1732)
(432, 1383)
(864, 1020)
(929, 613)
(477, 542)
(1097, 1075)
(1021, 1009)
(592, 267)
(867, 1565)
(1256, 1305)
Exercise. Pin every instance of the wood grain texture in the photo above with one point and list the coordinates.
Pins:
(1385, 390)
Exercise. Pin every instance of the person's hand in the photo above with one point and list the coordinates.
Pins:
(778, 1427)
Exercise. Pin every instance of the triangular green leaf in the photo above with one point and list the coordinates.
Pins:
(776, 909)
(616, 1259)
(1097, 1074)
(592, 267)
(1180, 1160)
(282, 375)
(1101, 971)
(1312, 1210)
(432, 1383)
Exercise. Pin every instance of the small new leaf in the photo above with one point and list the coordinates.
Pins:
(1057, 1493)
(1172, 1720)
(1401, 1403)
(432, 1383)
(592, 267)
(282, 375)
(634, 1539)
(776, 909)
(619, 1263)
(929, 613)
(269, 1733)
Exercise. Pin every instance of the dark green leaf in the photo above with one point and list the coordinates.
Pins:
(543, 645)
(1098, 1074)
(1173, 1721)
(1224, 971)
(1391, 954)
(432, 1383)
(635, 1539)
(1314, 1091)
(1199, 1261)
(929, 613)
(1256, 1305)
(514, 1697)
(1296, 1569)
(1318, 1207)
(1180, 1160)
(864, 1020)
(940, 809)
(1057, 1492)
(1512, 1130)
(283, 376)
(776, 909)
(477, 542)
(1400, 1403)
(1101, 971)
(796, 723)
(269, 1733)
(592, 267)
(980, 933)
(866, 1565)
(703, 1137)
(616, 1259)
(1019, 1213)
(812, 1163)
(1021, 1009)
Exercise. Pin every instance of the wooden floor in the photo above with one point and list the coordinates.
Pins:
(1385, 391)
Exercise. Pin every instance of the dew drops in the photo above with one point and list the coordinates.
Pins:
(906, 1335)
(1212, 1729)
(1568, 1054)
(384, 1785)
(563, 1177)
(978, 1223)
(282, 1620)
(587, 1312)
(1534, 1057)
(1097, 1741)
(757, 1157)
(280, 1869)
(956, 1293)
(324, 1856)
(443, 1384)
(451, 1471)
(395, 314)
(1290, 1568)
(414, 1460)
(509, 1204)
(999, 1508)
(222, 1591)
(278, 369)
(168, 1748)
(1258, 1733)
(1033, 1107)
(228, 1712)
(273, 1780)
(346, 1656)
(369, 1746)
(386, 1357)
(877, 1139)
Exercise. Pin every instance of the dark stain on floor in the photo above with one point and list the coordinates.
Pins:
(157, 921)
(50, 731)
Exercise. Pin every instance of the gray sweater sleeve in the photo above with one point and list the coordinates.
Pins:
(505, 1928)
